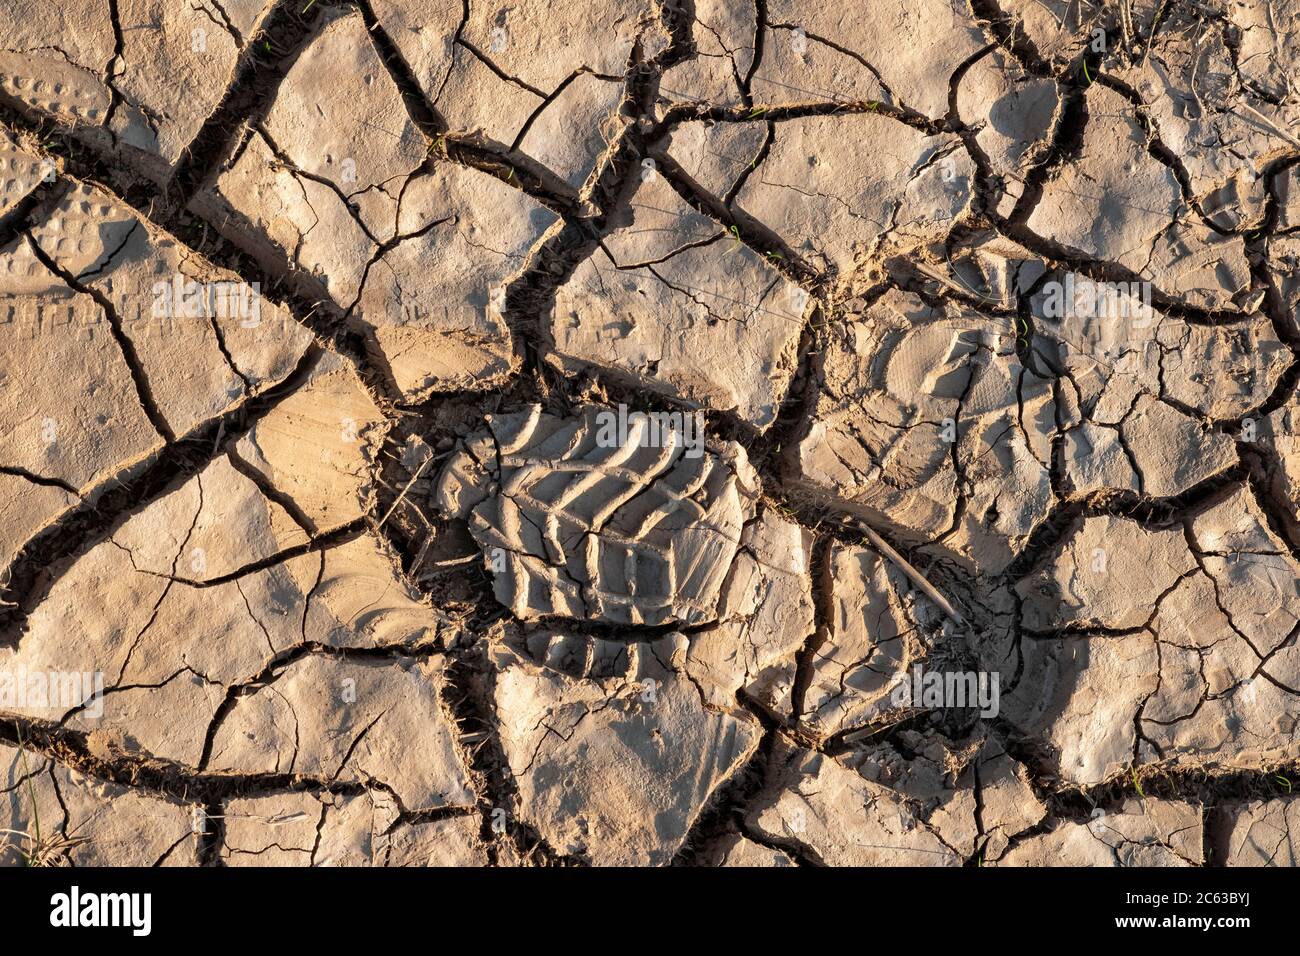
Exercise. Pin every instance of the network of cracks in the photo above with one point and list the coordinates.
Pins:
(312, 549)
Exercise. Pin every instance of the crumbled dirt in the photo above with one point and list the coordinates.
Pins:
(348, 572)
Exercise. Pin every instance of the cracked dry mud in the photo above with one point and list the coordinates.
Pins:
(353, 578)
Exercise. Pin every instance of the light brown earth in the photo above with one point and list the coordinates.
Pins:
(361, 581)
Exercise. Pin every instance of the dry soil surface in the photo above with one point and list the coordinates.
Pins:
(313, 549)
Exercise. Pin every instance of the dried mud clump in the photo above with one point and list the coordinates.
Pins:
(649, 433)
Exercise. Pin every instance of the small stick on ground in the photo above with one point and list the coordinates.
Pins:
(1269, 124)
(865, 732)
(1151, 40)
(917, 577)
(414, 478)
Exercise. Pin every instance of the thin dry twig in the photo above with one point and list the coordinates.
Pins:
(916, 576)
(414, 478)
